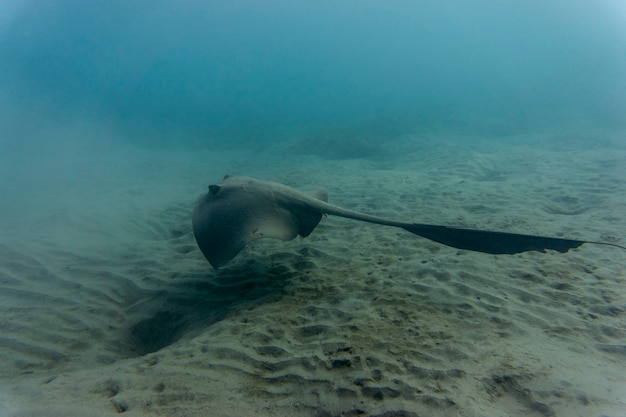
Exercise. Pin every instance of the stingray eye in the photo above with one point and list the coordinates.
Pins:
(214, 189)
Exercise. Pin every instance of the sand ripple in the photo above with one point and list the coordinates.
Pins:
(121, 311)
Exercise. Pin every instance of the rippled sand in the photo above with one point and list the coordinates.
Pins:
(108, 307)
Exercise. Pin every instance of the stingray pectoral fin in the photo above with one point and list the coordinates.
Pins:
(320, 194)
(222, 242)
(491, 242)
(308, 219)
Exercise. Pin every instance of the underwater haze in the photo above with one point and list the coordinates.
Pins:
(207, 71)
(497, 115)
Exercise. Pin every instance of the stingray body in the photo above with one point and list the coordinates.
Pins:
(242, 209)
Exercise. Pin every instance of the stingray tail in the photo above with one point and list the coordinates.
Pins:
(491, 242)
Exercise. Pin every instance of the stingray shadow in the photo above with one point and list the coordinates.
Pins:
(189, 307)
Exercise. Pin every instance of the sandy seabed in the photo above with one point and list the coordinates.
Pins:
(108, 307)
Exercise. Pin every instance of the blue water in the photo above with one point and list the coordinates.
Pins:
(209, 72)
(115, 115)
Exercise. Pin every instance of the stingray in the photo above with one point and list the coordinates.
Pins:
(241, 210)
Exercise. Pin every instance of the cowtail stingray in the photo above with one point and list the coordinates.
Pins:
(242, 209)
